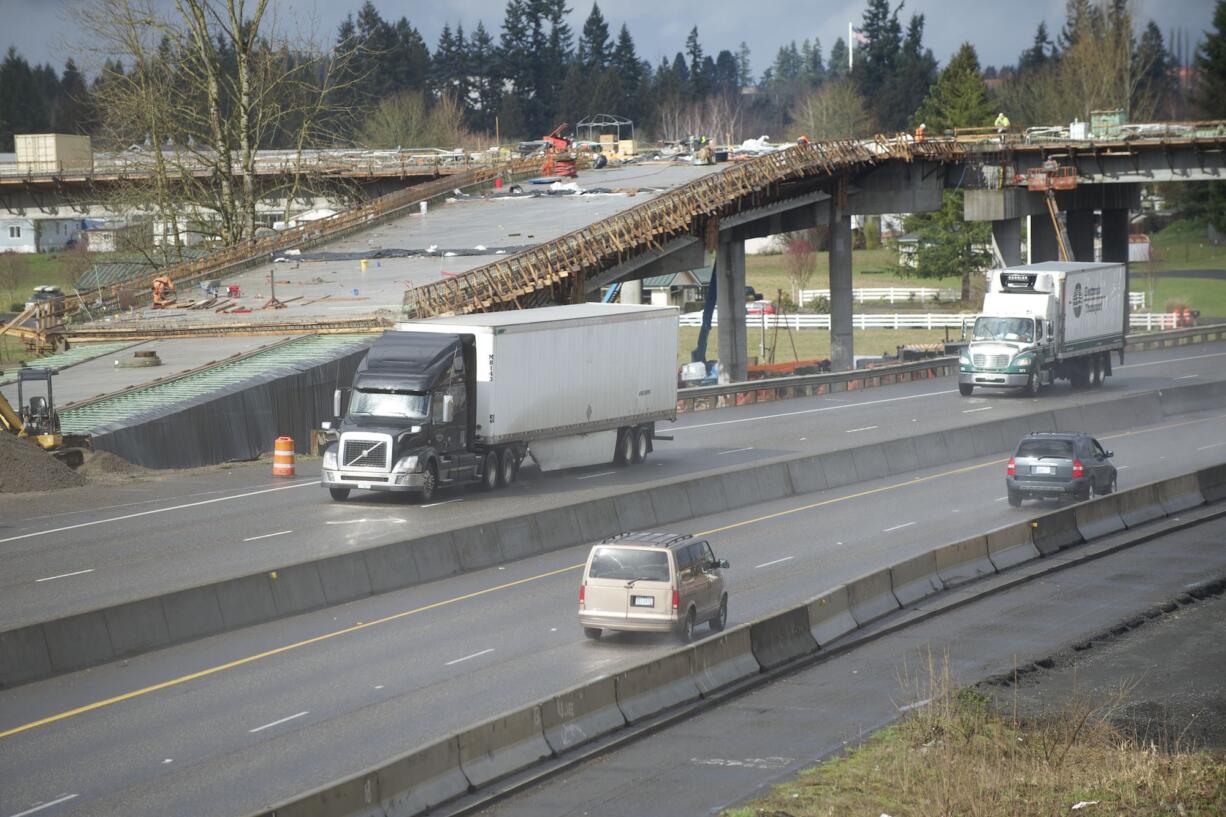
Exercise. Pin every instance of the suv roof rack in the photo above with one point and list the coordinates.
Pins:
(647, 538)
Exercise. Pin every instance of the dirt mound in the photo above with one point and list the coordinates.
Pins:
(99, 463)
(26, 467)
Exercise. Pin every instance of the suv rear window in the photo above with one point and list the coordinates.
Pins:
(1045, 448)
(626, 564)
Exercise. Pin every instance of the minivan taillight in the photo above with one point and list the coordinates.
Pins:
(676, 599)
(1078, 469)
(581, 594)
(1012, 468)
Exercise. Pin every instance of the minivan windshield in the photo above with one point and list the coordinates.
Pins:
(1012, 329)
(628, 564)
(389, 404)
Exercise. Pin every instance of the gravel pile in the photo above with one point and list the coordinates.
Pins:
(26, 467)
(101, 463)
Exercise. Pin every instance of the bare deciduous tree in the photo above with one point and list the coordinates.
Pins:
(834, 111)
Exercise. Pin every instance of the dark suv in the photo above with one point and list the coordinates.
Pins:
(1055, 464)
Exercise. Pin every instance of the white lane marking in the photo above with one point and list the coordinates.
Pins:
(158, 510)
(972, 411)
(444, 502)
(777, 561)
(854, 430)
(593, 476)
(394, 520)
(1187, 377)
(1203, 448)
(915, 705)
(277, 723)
(267, 535)
(736, 450)
(168, 760)
(65, 575)
(898, 527)
(812, 411)
(1172, 360)
(467, 657)
(56, 802)
(1123, 468)
(1000, 499)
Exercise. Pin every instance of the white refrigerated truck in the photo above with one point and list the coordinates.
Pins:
(465, 399)
(1056, 320)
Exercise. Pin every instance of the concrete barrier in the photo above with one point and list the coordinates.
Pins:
(870, 462)
(502, 746)
(24, 656)
(807, 475)
(77, 642)
(961, 562)
(1011, 545)
(136, 627)
(344, 578)
(1100, 517)
(1180, 493)
(635, 511)
(774, 482)
(915, 578)
(597, 519)
(581, 714)
(435, 557)
(1140, 505)
(478, 546)
(840, 468)
(651, 688)
(722, 660)
(1122, 414)
(557, 528)
(391, 567)
(739, 489)
(422, 779)
(344, 798)
(706, 497)
(1055, 531)
(1196, 397)
(830, 616)
(900, 455)
(782, 637)
(672, 502)
(1212, 483)
(871, 596)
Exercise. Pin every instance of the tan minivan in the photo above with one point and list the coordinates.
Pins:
(652, 582)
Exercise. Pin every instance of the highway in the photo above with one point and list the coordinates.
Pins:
(228, 724)
(146, 538)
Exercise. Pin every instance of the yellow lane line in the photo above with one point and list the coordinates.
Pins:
(183, 679)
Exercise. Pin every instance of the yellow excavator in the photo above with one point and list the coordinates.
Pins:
(38, 420)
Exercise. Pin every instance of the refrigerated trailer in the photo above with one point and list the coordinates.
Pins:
(451, 401)
(1056, 320)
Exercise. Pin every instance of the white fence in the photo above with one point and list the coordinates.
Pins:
(1136, 300)
(1147, 321)
(896, 295)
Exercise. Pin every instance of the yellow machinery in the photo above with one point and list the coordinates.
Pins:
(39, 422)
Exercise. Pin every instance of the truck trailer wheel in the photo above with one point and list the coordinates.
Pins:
(339, 494)
(965, 389)
(642, 444)
(623, 454)
(1098, 372)
(489, 471)
(507, 467)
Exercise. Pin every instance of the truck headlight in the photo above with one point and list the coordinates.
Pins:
(964, 360)
(330, 458)
(405, 465)
(1023, 360)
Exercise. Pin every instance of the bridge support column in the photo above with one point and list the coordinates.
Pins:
(1081, 234)
(1007, 235)
(1041, 242)
(730, 309)
(1115, 249)
(631, 292)
(842, 357)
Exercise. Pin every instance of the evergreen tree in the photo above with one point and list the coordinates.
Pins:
(629, 71)
(681, 72)
(877, 60)
(744, 73)
(917, 70)
(1152, 65)
(72, 111)
(813, 68)
(486, 76)
(446, 61)
(948, 244)
(1040, 53)
(1081, 18)
(959, 97)
(593, 50)
(1209, 95)
(699, 83)
(411, 67)
(837, 66)
(21, 108)
(726, 73)
(521, 35)
(555, 56)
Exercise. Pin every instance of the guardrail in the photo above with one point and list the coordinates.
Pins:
(903, 320)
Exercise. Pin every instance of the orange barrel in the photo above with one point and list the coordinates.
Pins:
(283, 457)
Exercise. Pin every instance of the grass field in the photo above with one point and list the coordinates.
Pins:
(1184, 245)
(869, 268)
(812, 343)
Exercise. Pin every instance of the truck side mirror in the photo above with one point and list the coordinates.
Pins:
(448, 408)
(338, 397)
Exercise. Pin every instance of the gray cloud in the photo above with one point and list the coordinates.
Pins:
(45, 31)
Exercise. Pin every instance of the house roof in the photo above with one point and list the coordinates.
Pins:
(700, 277)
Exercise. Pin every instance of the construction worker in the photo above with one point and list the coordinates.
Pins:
(1002, 123)
(919, 132)
(161, 286)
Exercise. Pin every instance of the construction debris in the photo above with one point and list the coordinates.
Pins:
(29, 468)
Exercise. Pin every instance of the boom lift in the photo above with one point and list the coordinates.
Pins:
(1047, 179)
(39, 422)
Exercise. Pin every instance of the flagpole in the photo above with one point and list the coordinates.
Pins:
(851, 48)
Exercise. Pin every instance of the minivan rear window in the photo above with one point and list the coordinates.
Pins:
(1045, 448)
(626, 564)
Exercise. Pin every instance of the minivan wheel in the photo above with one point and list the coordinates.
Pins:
(1015, 498)
(687, 629)
(592, 632)
(339, 494)
(721, 619)
(489, 471)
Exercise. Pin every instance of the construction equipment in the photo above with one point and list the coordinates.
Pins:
(162, 286)
(39, 422)
(1048, 178)
(559, 158)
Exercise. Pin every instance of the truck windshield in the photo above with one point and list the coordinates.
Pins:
(389, 404)
(1015, 329)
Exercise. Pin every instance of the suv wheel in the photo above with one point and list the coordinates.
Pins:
(687, 629)
(1015, 498)
(721, 619)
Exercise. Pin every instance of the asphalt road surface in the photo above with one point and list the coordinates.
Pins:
(227, 724)
(81, 549)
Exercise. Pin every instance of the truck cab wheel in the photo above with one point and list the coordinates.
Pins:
(642, 444)
(965, 389)
(1033, 385)
(429, 483)
(339, 494)
(507, 467)
(489, 471)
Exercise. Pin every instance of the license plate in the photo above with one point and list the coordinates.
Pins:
(365, 486)
(1044, 469)
(642, 601)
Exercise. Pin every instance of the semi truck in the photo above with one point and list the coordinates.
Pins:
(1056, 320)
(466, 399)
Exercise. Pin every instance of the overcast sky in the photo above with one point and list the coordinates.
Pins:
(44, 30)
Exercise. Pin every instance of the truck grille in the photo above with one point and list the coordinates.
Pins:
(991, 361)
(364, 454)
